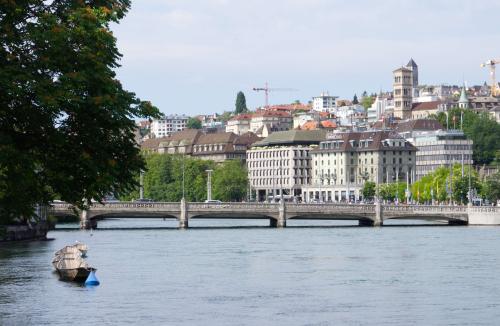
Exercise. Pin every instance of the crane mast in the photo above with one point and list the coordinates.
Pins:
(266, 89)
(495, 91)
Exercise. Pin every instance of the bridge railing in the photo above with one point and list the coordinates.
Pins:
(233, 206)
(424, 209)
(485, 209)
(60, 206)
(326, 207)
(123, 205)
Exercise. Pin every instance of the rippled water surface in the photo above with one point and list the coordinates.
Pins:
(418, 275)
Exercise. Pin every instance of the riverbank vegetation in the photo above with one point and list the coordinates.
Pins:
(166, 176)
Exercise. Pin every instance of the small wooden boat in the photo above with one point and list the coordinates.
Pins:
(69, 263)
(71, 267)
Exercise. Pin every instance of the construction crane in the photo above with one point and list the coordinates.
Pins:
(495, 91)
(266, 90)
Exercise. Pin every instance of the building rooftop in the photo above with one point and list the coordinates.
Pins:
(242, 116)
(411, 63)
(425, 106)
(271, 113)
(418, 125)
(367, 141)
(293, 137)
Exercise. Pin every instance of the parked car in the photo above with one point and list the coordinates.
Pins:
(213, 201)
(143, 200)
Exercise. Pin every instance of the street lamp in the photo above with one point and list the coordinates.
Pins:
(183, 176)
(320, 191)
(141, 185)
(209, 185)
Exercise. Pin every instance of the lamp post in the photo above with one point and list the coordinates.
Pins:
(209, 184)
(141, 185)
(183, 176)
(334, 177)
(320, 191)
(469, 193)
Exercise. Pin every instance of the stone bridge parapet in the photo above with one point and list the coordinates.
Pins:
(278, 213)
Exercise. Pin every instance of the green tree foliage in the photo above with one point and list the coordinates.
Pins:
(367, 101)
(230, 181)
(491, 187)
(241, 103)
(369, 190)
(163, 179)
(66, 123)
(164, 175)
(391, 191)
(355, 99)
(193, 123)
(481, 128)
(437, 186)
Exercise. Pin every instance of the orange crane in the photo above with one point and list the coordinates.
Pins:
(495, 91)
(266, 90)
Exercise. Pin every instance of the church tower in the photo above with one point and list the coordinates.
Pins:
(403, 89)
(414, 69)
(463, 102)
(412, 65)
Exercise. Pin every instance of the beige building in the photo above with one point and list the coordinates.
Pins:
(239, 124)
(281, 163)
(403, 89)
(217, 147)
(271, 121)
(426, 109)
(346, 160)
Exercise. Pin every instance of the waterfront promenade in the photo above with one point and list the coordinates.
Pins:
(279, 213)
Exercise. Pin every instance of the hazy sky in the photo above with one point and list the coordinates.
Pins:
(192, 57)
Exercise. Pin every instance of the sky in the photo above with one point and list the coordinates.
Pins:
(193, 56)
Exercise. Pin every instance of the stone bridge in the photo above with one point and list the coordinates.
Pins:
(277, 213)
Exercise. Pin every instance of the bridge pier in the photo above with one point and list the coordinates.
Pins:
(86, 221)
(183, 219)
(379, 216)
(280, 222)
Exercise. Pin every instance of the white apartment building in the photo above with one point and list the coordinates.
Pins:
(438, 148)
(169, 124)
(346, 160)
(303, 117)
(324, 102)
(379, 108)
(281, 164)
(350, 115)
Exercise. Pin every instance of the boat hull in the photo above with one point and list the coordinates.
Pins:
(75, 275)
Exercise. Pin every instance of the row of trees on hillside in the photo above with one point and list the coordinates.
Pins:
(438, 186)
(164, 175)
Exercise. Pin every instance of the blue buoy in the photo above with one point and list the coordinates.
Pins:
(92, 279)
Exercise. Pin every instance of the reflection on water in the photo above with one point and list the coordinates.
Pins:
(239, 272)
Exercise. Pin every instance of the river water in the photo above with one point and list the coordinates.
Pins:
(255, 275)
